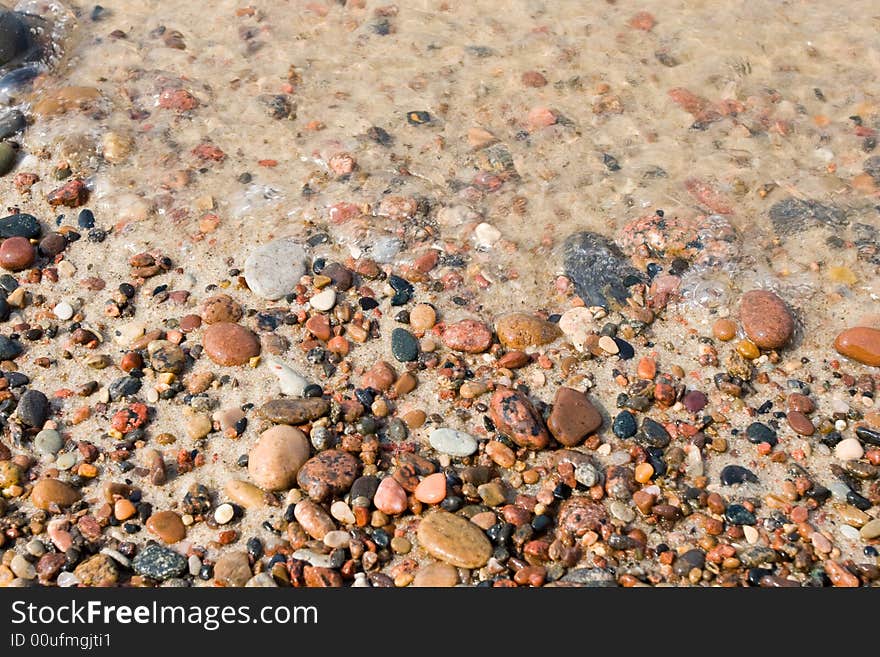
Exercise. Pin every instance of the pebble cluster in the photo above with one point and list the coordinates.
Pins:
(399, 434)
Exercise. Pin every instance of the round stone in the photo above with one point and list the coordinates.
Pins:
(436, 575)
(454, 540)
(800, 423)
(167, 525)
(849, 449)
(452, 442)
(159, 563)
(404, 345)
(47, 493)
(230, 344)
(52, 244)
(573, 417)
(16, 253)
(766, 319)
(313, 519)
(274, 269)
(521, 330)
(390, 497)
(224, 513)
(724, 329)
(861, 343)
(431, 489)
(48, 441)
(422, 317)
(624, 425)
(515, 416)
(244, 494)
(220, 308)
(63, 311)
(324, 300)
(329, 474)
(276, 458)
(468, 335)
(233, 569)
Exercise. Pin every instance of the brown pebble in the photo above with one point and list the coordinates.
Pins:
(47, 493)
(379, 377)
(167, 525)
(573, 417)
(766, 319)
(521, 330)
(230, 344)
(800, 423)
(468, 335)
(515, 416)
(220, 308)
(16, 253)
(861, 343)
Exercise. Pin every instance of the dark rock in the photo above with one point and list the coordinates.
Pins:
(590, 577)
(756, 555)
(9, 349)
(160, 563)
(341, 276)
(758, 432)
(691, 559)
(19, 225)
(598, 268)
(654, 433)
(15, 37)
(404, 345)
(737, 514)
(33, 408)
(11, 122)
(365, 486)
(868, 435)
(737, 474)
(624, 425)
(403, 290)
(792, 215)
(125, 386)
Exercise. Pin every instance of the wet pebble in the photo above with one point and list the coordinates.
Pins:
(274, 269)
(404, 345)
(573, 417)
(861, 343)
(454, 540)
(766, 319)
(159, 562)
(452, 442)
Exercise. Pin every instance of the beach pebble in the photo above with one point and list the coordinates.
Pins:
(454, 540)
(329, 474)
(452, 442)
(276, 458)
(274, 269)
(48, 441)
(16, 253)
(467, 335)
(436, 575)
(224, 513)
(766, 319)
(521, 330)
(233, 568)
(290, 381)
(431, 489)
(314, 519)
(230, 344)
(63, 311)
(597, 268)
(390, 497)
(324, 300)
(295, 411)
(167, 525)
(573, 417)
(860, 343)
(158, 562)
(244, 494)
(220, 308)
(33, 408)
(849, 449)
(515, 416)
(51, 492)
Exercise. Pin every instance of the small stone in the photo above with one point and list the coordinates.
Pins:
(422, 317)
(314, 519)
(737, 474)
(800, 423)
(159, 563)
(379, 377)
(454, 540)
(244, 494)
(224, 514)
(766, 319)
(48, 441)
(624, 425)
(295, 411)
(63, 311)
(452, 442)
(724, 329)
(608, 345)
(16, 253)
(198, 425)
(404, 345)
(233, 569)
(167, 525)
(274, 269)
(47, 493)
(573, 417)
(22, 568)
(98, 570)
(492, 494)
(342, 512)
(33, 408)
(276, 458)
(324, 300)
(870, 530)
(468, 335)
(436, 575)
(515, 416)
(758, 432)
(861, 343)
(220, 308)
(329, 474)
(849, 449)
(521, 330)
(598, 269)
(390, 497)
(230, 344)
(19, 225)
(431, 489)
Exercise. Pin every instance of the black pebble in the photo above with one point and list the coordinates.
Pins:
(625, 349)
(624, 425)
(737, 514)
(85, 219)
(737, 474)
(758, 432)
(418, 118)
(404, 345)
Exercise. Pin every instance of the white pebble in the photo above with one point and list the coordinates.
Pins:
(66, 579)
(224, 513)
(486, 235)
(324, 300)
(342, 512)
(117, 556)
(195, 564)
(63, 311)
(608, 345)
(291, 382)
(849, 449)
(336, 538)
(360, 581)
(849, 532)
(751, 534)
(840, 425)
